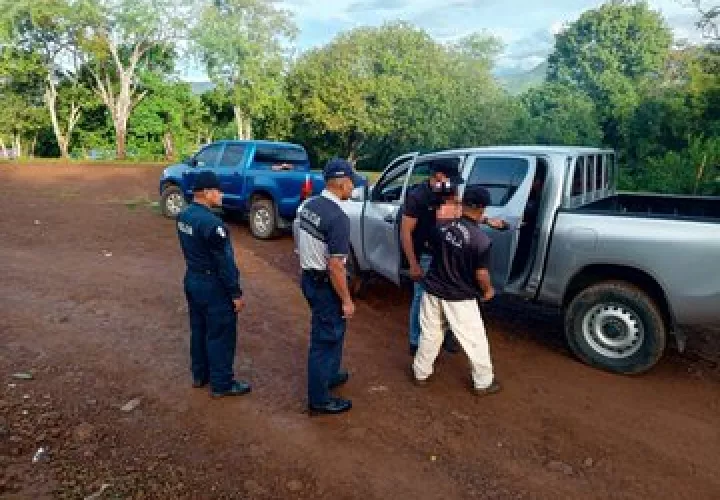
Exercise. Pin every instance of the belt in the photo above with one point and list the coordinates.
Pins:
(317, 274)
(209, 272)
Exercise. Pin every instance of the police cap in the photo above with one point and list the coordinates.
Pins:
(206, 180)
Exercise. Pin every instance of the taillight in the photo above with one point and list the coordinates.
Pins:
(307, 189)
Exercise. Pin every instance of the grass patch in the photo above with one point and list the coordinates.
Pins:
(142, 202)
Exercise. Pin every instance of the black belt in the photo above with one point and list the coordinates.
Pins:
(317, 274)
(209, 272)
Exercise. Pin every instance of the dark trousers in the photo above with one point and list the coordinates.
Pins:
(326, 336)
(213, 326)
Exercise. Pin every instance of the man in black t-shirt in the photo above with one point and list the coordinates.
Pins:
(457, 278)
(422, 212)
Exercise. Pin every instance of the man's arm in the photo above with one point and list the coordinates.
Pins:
(482, 276)
(338, 247)
(407, 227)
(338, 278)
(222, 254)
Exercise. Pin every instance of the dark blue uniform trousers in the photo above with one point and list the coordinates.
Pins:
(327, 335)
(213, 326)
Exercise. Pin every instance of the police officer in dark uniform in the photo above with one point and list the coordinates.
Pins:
(322, 237)
(212, 288)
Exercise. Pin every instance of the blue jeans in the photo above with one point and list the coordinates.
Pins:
(327, 336)
(414, 331)
(213, 326)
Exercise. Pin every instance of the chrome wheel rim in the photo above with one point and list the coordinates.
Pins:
(262, 220)
(613, 330)
(174, 204)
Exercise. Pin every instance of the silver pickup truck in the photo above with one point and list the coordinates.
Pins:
(626, 270)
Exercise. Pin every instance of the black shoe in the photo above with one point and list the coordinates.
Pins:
(199, 384)
(238, 388)
(340, 379)
(493, 388)
(413, 349)
(332, 407)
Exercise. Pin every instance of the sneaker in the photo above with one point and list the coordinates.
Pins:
(418, 382)
(493, 388)
(199, 384)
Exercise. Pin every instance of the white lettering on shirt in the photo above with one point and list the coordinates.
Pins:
(311, 217)
(185, 228)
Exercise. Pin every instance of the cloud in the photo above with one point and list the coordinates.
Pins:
(375, 5)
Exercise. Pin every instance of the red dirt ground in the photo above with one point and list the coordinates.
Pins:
(91, 304)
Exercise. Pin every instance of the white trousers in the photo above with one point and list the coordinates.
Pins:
(465, 320)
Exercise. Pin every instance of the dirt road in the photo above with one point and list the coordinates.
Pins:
(91, 306)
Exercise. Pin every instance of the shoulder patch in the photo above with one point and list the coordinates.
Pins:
(221, 232)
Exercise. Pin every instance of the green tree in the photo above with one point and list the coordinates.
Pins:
(244, 46)
(557, 114)
(611, 53)
(21, 107)
(46, 29)
(120, 38)
(168, 121)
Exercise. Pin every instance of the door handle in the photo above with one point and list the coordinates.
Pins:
(389, 219)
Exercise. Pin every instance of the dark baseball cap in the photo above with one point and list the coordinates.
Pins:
(476, 197)
(337, 168)
(206, 180)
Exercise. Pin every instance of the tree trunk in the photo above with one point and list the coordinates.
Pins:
(32, 147)
(120, 142)
(169, 146)
(239, 122)
(17, 146)
(62, 137)
(248, 128)
(3, 148)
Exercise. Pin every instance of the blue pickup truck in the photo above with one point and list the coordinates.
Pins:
(264, 180)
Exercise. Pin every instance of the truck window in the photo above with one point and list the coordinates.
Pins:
(271, 154)
(590, 174)
(208, 157)
(232, 156)
(389, 188)
(500, 176)
(578, 185)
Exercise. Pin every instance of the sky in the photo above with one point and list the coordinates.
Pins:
(525, 26)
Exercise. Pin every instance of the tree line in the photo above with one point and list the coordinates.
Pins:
(81, 78)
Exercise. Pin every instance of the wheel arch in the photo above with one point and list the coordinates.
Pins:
(597, 273)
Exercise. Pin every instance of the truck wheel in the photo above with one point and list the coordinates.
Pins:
(263, 219)
(172, 201)
(615, 326)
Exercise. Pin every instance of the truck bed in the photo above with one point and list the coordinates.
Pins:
(661, 206)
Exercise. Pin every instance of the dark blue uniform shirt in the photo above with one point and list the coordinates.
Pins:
(460, 248)
(206, 245)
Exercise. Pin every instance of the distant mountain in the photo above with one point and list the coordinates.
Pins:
(517, 83)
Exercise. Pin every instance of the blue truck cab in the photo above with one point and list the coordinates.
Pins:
(264, 180)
